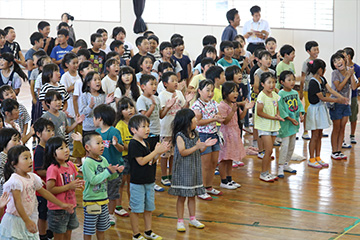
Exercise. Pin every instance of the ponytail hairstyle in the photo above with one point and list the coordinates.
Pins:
(13, 159)
(9, 57)
(315, 65)
(50, 151)
(68, 57)
(135, 92)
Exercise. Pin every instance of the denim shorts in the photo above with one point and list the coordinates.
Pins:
(142, 197)
(214, 148)
(113, 188)
(338, 111)
(267, 133)
(61, 221)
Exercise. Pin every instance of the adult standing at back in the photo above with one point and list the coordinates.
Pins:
(230, 31)
(256, 30)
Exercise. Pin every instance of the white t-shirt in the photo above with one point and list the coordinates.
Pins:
(78, 91)
(67, 80)
(178, 67)
(109, 86)
(164, 96)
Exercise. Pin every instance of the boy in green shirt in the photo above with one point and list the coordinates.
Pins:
(291, 109)
(288, 53)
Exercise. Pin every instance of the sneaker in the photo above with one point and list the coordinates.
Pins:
(180, 227)
(158, 188)
(352, 140)
(139, 238)
(267, 177)
(345, 145)
(288, 169)
(205, 197)
(112, 219)
(228, 185)
(234, 164)
(248, 130)
(122, 212)
(306, 136)
(343, 156)
(166, 182)
(277, 141)
(322, 163)
(195, 223)
(213, 191)
(314, 164)
(281, 171)
(336, 156)
(274, 177)
(152, 236)
(240, 163)
(235, 184)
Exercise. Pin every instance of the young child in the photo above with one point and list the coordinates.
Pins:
(21, 214)
(50, 81)
(6, 92)
(354, 93)
(267, 121)
(118, 47)
(154, 43)
(10, 72)
(119, 34)
(83, 55)
(14, 46)
(97, 56)
(185, 63)
(187, 178)
(61, 181)
(171, 101)
(125, 110)
(288, 53)
(37, 40)
(144, 47)
(104, 118)
(217, 75)
(96, 171)
(3, 47)
(104, 34)
(270, 45)
(228, 49)
(317, 117)
(312, 48)
(291, 110)
(44, 130)
(207, 115)
(342, 80)
(83, 69)
(58, 117)
(10, 137)
(126, 85)
(146, 65)
(163, 68)
(142, 175)
(43, 61)
(208, 52)
(92, 96)
(233, 148)
(60, 50)
(206, 63)
(166, 52)
(108, 83)
(49, 42)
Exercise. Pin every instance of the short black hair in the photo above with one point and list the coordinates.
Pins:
(177, 42)
(230, 15)
(226, 44)
(136, 120)
(80, 43)
(41, 124)
(147, 33)
(227, 88)
(231, 71)
(5, 136)
(209, 40)
(8, 105)
(270, 39)
(111, 55)
(52, 95)
(118, 30)
(258, 51)
(165, 65)
(7, 29)
(335, 56)
(310, 44)
(264, 53)
(176, 35)
(83, 52)
(39, 53)
(255, 9)
(106, 113)
(265, 76)
(2, 33)
(115, 44)
(48, 71)
(236, 44)
(214, 72)
(88, 136)
(205, 61)
(164, 45)
(3, 89)
(94, 36)
(63, 32)
(166, 76)
(350, 51)
(62, 24)
(101, 31)
(284, 74)
(139, 40)
(42, 24)
(145, 78)
(286, 49)
(36, 36)
(153, 37)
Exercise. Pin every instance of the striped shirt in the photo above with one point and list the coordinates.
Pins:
(24, 117)
(60, 88)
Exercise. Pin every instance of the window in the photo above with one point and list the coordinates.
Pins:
(294, 14)
(90, 10)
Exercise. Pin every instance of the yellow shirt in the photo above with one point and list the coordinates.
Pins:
(270, 107)
(218, 98)
(125, 134)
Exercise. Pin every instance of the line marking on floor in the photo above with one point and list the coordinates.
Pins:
(346, 230)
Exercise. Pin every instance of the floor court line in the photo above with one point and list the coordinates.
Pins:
(346, 230)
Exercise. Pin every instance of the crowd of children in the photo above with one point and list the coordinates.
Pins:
(113, 116)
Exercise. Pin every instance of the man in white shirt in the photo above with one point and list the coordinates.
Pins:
(256, 30)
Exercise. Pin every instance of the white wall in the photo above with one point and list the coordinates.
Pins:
(346, 25)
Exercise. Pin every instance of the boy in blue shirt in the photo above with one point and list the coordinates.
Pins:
(104, 118)
(37, 40)
(60, 50)
(227, 48)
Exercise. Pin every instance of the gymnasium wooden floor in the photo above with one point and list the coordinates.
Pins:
(313, 204)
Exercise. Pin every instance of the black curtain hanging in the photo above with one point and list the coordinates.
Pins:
(139, 25)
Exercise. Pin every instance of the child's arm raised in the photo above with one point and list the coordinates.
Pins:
(116, 144)
(50, 186)
(78, 120)
(30, 225)
(247, 106)
(159, 149)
